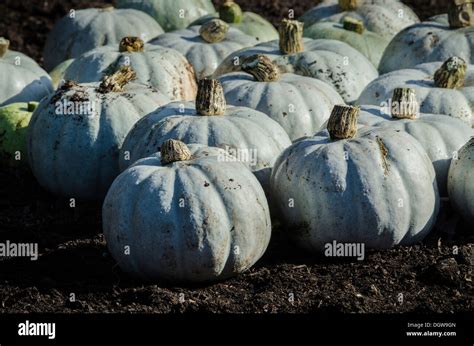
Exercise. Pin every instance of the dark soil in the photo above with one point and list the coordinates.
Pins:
(430, 277)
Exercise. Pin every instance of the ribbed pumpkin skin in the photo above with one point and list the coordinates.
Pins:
(76, 155)
(92, 28)
(165, 69)
(193, 221)
(299, 104)
(379, 16)
(460, 182)
(204, 56)
(370, 44)
(171, 14)
(356, 199)
(241, 128)
(457, 103)
(333, 62)
(428, 42)
(22, 79)
(252, 24)
(441, 136)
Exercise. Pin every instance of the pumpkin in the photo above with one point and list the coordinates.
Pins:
(376, 187)
(354, 33)
(186, 215)
(299, 104)
(433, 40)
(26, 80)
(441, 88)
(249, 23)
(460, 181)
(83, 30)
(57, 73)
(163, 68)
(336, 63)
(207, 45)
(441, 136)
(254, 138)
(171, 14)
(383, 17)
(14, 119)
(75, 135)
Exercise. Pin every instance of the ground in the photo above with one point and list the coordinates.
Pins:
(431, 277)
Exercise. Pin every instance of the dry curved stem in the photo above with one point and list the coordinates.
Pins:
(117, 81)
(210, 98)
(173, 150)
(342, 123)
(291, 36)
(261, 67)
(451, 74)
(214, 31)
(131, 44)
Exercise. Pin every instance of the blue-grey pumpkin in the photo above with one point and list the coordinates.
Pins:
(75, 135)
(460, 182)
(441, 136)
(383, 17)
(163, 68)
(83, 30)
(299, 104)
(333, 62)
(22, 78)
(206, 46)
(249, 23)
(255, 138)
(441, 88)
(186, 215)
(437, 39)
(377, 187)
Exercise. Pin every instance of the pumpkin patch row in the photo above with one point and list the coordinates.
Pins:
(199, 128)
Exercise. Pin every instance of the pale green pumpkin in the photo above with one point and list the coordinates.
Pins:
(249, 23)
(14, 120)
(171, 14)
(354, 33)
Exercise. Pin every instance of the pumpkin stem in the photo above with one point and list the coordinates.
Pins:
(210, 98)
(116, 81)
(461, 14)
(342, 123)
(31, 106)
(131, 44)
(404, 104)
(107, 8)
(261, 67)
(173, 150)
(214, 31)
(291, 36)
(4, 45)
(352, 24)
(230, 12)
(451, 74)
(348, 5)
